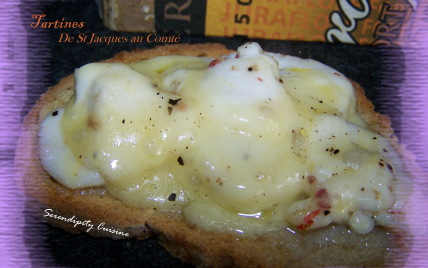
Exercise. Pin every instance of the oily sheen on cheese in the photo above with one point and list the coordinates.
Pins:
(246, 144)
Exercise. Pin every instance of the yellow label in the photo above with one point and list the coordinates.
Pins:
(348, 21)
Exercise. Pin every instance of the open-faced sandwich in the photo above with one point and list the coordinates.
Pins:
(247, 158)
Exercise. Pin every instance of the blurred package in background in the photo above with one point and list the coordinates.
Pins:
(364, 22)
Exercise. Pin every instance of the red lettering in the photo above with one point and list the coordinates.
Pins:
(279, 17)
(308, 3)
(366, 25)
(374, 2)
(293, 17)
(261, 12)
(304, 23)
(363, 41)
(227, 13)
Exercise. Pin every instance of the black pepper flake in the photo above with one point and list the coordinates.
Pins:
(169, 110)
(336, 151)
(326, 212)
(385, 150)
(80, 156)
(173, 102)
(321, 101)
(55, 113)
(172, 197)
(250, 69)
(381, 164)
(280, 80)
(374, 138)
(390, 168)
(180, 161)
(157, 93)
(123, 121)
(362, 189)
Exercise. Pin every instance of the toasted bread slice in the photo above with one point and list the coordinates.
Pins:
(332, 246)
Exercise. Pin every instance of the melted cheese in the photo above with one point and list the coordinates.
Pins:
(252, 143)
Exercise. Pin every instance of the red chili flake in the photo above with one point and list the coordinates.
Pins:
(236, 56)
(337, 74)
(302, 227)
(321, 193)
(311, 216)
(322, 197)
(214, 63)
(311, 179)
(308, 220)
(261, 80)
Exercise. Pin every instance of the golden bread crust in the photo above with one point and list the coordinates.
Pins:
(191, 245)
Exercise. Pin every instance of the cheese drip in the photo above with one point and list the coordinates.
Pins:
(250, 143)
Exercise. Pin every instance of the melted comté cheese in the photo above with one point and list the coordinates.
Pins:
(246, 144)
